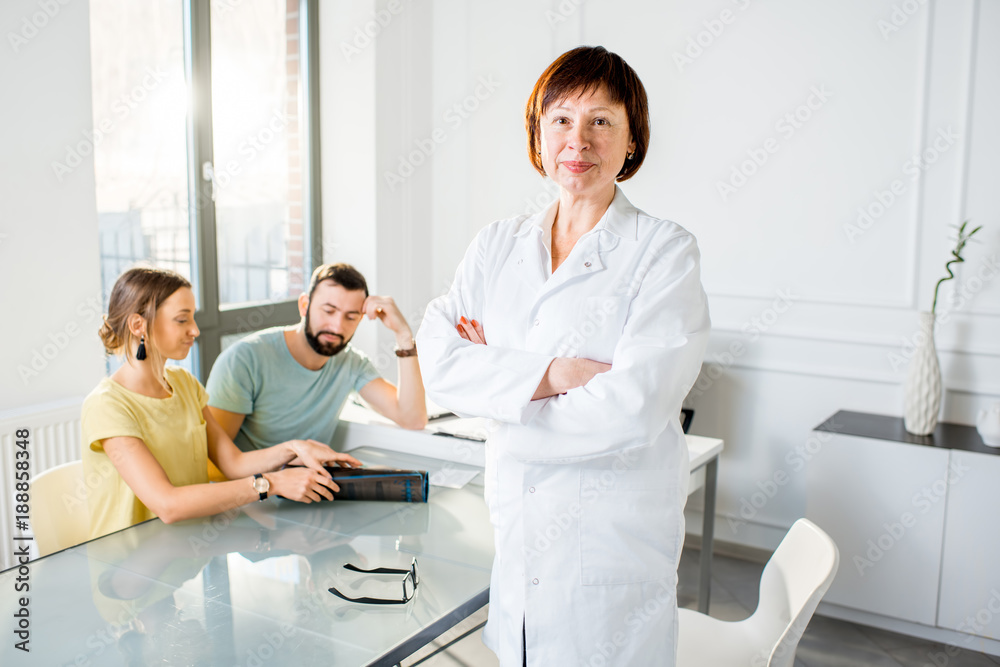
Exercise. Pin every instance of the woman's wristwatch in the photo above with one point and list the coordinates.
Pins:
(261, 485)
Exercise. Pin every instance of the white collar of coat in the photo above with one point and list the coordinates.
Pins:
(621, 218)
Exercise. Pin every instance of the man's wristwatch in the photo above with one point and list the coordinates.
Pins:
(261, 485)
(412, 352)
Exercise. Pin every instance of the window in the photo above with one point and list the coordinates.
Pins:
(205, 153)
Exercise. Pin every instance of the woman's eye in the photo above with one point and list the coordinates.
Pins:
(601, 121)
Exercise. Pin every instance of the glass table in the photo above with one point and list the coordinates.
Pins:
(250, 586)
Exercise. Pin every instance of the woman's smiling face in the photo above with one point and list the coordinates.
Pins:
(585, 138)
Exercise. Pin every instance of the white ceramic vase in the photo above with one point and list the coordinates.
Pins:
(923, 384)
(988, 425)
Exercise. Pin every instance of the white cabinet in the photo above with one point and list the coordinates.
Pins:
(879, 502)
(915, 519)
(970, 572)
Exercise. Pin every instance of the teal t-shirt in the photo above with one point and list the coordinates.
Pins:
(282, 400)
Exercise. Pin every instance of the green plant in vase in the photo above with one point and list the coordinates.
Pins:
(922, 401)
(956, 254)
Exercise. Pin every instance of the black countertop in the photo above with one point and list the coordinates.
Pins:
(884, 427)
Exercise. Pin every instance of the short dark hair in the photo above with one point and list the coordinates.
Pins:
(578, 71)
(341, 274)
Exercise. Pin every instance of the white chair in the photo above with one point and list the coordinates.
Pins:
(793, 582)
(59, 519)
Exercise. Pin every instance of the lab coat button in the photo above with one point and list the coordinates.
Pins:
(537, 323)
(520, 261)
(531, 489)
(534, 581)
(587, 264)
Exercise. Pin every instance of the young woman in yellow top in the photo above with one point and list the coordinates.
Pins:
(152, 423)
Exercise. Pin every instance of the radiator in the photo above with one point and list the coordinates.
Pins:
(54, 439)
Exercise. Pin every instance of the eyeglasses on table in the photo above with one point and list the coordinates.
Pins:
(410, 582)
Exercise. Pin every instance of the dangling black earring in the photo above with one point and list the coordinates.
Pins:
(140, 354)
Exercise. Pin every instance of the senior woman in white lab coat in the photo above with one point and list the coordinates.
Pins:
(579, 330)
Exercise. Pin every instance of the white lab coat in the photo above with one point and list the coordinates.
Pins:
(586, 490)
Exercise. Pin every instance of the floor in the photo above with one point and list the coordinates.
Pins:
(826, 643)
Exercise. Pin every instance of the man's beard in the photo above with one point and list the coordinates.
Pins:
(326, 349)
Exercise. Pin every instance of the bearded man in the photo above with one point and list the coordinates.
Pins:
(287, 383)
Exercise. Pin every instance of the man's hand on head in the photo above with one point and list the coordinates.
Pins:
(385, 309)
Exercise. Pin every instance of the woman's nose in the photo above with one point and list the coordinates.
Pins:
(579, 137)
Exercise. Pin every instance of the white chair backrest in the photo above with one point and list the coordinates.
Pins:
(793, 582)
(59, 517)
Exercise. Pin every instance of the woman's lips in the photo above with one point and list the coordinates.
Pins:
(578, 167)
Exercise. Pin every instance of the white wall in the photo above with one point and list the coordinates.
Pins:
(821, 309)
(375, 108)
(50, 292)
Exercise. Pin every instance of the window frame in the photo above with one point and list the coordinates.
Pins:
(214, 320)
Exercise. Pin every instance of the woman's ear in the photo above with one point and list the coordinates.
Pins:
(137, 325)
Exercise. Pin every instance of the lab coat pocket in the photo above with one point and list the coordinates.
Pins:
(627, 527)
(597, 328)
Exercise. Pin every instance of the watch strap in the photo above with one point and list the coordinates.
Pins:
(412, 352)
(263, 494)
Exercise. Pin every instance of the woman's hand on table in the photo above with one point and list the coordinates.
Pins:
(302, 484)
(314, 454)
